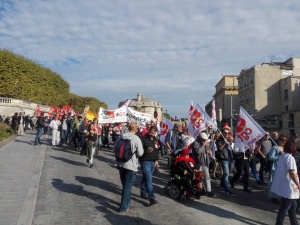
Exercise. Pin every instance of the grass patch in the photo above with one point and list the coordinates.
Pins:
(5, 131)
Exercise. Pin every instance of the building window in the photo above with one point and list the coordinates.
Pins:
(286, 108)
(286, 95)
(292, 132)
(291, 117)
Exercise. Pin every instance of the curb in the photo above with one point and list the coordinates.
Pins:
(8, 141)
(27, 212)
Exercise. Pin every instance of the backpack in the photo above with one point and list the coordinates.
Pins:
(123, 150)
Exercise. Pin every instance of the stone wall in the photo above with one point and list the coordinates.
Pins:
(9, 106)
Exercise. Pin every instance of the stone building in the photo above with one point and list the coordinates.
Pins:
(9, 106)
(226, 99)
(145, 105)
(289, 87)
(269, 93)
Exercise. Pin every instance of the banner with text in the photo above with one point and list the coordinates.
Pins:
(247, 131)
(166, 126)
(123, 114)
(198, 121)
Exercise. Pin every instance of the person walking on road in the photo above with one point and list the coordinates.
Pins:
(21, 123)
(39, 127)
(286, 183)
(148, 164)
(54, 124)
(224, 146)
(128, 170)
(201, 156)
(91, 145)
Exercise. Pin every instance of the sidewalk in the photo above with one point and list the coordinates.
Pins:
(45, 185)
(21, 166)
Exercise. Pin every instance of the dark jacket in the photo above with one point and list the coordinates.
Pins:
(147, 142)
(82, 128)
(19, 119)
(226, 152)
(40, 122)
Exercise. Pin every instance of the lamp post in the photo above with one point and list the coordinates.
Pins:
(231, 111)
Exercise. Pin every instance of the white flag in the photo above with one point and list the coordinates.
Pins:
(247, 131)
(198, 121)
(213, 112)
(166, 126)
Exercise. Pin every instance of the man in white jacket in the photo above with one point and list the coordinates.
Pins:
(128, 169)
(54, 124)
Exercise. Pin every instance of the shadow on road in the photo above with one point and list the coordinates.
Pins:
(106, 205)
(69, 161)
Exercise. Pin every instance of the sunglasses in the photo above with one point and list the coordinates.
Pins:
(226, 133)
(283, 140)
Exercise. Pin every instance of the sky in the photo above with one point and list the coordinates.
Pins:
(170, 51)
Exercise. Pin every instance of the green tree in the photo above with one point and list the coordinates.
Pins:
(24, 79)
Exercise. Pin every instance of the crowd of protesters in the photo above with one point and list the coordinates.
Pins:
(211, 149)
(19, 122)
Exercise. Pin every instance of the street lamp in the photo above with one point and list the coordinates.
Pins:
(231, 111)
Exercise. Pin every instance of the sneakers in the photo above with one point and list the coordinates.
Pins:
(229, 193)
(247, 190)
(210, 194)
(197, 197)
(145, 197)
(87, 161)
(153, 202)
(125, 211)
(213, 178)
(261, 183)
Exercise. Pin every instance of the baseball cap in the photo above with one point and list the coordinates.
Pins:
(204, 136)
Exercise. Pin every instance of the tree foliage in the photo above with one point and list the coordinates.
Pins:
(79, 103)
(24, 79)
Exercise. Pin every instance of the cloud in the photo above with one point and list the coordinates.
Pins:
(170, 51)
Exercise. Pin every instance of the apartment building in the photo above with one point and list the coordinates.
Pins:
(226, 99)
(268, 92)
(290, 94)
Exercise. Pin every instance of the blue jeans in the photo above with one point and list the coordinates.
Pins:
(253, 170)
(127, 179)
(38, 136)
(63, 136)
(287, 205)
(226, 165)
(146, 186)
(69, 135)
(99, 142)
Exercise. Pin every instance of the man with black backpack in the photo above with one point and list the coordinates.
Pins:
(127, 162)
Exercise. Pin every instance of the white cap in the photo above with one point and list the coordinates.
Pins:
(204, 136)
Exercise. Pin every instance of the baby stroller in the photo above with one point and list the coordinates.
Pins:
(184, 186)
